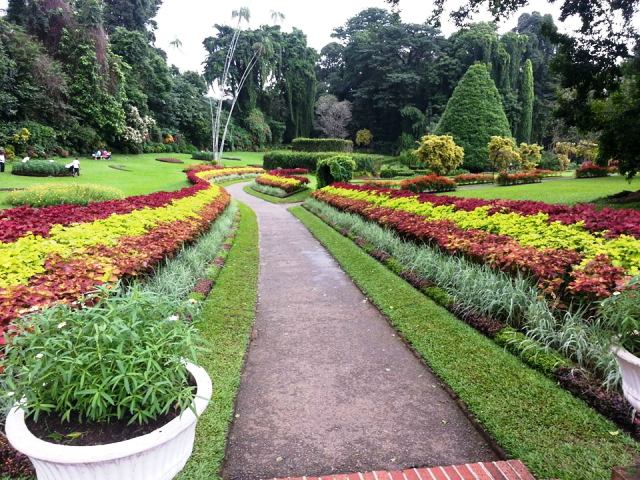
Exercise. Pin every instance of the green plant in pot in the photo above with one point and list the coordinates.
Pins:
(115, 378)
(621, 313)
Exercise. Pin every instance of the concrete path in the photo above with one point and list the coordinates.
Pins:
(328, 386)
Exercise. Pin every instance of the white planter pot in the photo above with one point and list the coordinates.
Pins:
(159, 455)
(630, 370)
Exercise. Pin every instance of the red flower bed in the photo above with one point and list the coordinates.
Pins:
(615, 222)
(285, 172)
(429, 183)
(553, 269)
(591, 170)
(473, 178)
(522, 178)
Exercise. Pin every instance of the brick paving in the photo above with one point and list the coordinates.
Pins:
(508, 470)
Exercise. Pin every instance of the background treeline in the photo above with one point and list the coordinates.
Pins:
(399, 76)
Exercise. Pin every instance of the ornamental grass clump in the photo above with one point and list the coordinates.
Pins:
(122, 359)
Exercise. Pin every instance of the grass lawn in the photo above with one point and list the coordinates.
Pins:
(554, 433)
(246, 158)
(570, 190)
(225, 322)
(146, 175)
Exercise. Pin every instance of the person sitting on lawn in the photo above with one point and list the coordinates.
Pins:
(106, 155)
(97, 155)
(2, 160)
(26, 159)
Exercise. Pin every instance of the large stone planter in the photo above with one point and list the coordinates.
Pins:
(630, 370)
(159, 455)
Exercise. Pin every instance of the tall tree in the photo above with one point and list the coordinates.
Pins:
(473, 115)
(527, 94)
(131, 14)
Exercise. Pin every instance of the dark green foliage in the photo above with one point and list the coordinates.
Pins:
(528, 96)
(322, 145)
(395, 170)
(531, 352)
(334, 169)
(439, 296)
(208, 156)
(131, 14)
(40, 168)
(365, 162)
(473, 115)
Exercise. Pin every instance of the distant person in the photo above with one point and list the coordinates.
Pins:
(106, 155)
(3, 159)
(26, 159)
(75, 168)
(97, 155)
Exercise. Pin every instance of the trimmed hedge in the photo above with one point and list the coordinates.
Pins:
(338, 168)
(40, 168)
(505, 179)
(207, 156)
(365, 162)
(322, 145)
(429, 183)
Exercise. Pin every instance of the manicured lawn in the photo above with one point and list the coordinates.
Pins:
(225, 322)
(555, 434)
(568, 190)
(246, 158)
(146, 175)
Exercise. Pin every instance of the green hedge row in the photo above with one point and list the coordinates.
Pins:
(365, 162)
(40, 168)
(322, 145)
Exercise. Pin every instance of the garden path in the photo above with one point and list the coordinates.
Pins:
(328, 386)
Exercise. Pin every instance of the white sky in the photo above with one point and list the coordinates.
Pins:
(192, 20)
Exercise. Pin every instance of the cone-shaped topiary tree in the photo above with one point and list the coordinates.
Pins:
(473, 115)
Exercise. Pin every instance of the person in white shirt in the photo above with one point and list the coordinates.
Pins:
(75, 165)
(2, 160)
(26, 159)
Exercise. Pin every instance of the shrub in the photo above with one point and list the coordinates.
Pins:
(473, 178)
(503, 154)
(591, 170)
(395, 170)
(551, 161)
(621, 312)
(120, 359)
(530, 155)
(364, 137)
(505, 179)
(369, 163)
(473, 115)
(440, 153)
(40, 168)
(338, 168)
(47, 195)
(207, 156)
(322, 145)
(429, 183)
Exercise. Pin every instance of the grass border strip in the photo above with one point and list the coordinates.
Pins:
(557, 435)
(298, 197)
(226, 322)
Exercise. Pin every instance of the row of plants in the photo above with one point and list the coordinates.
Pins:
(506, 179)
(178, 279)
(550, 338)
(287, 183)
(40, 168)
(555, 434)
(428, 183)
(591, 170)
(71, 255)
(365, 162)
(566, 260)
(49, 195)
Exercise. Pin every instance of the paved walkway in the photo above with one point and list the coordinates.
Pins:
(328, 386)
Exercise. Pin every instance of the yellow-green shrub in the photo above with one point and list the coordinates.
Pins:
(47, 195)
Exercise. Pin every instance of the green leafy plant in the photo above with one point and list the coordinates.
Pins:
(120, 359)
(47, 195)
(40, 168)
(364, 137)
(503, 154)
(335, 169)
(440, 153)
(621, 313)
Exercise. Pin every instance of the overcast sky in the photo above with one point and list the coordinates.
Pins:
(191, 21)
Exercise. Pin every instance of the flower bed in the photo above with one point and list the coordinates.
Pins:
(59, 254)
(429, 183)
(285, 172)
(565, 258)
(591, 170)
(289, 183)
(506, 179)
(473, 178)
